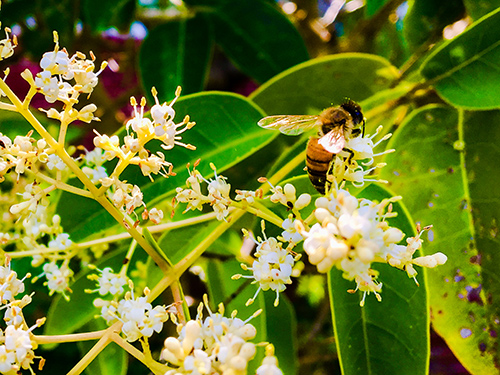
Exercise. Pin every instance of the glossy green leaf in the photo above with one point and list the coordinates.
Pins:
(226, 133)
(456, 192)
(464, 70)
(373, 6)
(281, 325)
(258, 38)
(103, 14)
(176, 53)
(111, 361)
(387, 337)
(476, 9)
(426, 19)
(310, 87)
(180, 242)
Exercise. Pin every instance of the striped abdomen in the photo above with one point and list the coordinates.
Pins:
(317, 162)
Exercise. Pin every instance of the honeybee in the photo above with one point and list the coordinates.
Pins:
(335, 125)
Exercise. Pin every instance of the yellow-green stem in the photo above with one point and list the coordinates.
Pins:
(96, 349)
(155, 367)
(62, 186)
(75, 337)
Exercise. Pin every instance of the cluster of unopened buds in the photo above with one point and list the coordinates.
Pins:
(17, 343)
(215, 345)
(138, 317)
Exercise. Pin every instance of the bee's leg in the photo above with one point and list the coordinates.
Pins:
(363, 133)
(329, 176)
(351, 154)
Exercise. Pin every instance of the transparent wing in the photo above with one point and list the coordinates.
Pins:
(289, 125)
(333, 141)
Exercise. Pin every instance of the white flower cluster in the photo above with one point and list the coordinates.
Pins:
(138, 317)
(350, 164)
(272, 267)
(59, 69)
(126, 197)
(161, 127)
(17, 350)
(141, 130)
(24, 152)
(214, 345)
(42, 232)
(58, 278)
(108, 282)
(217, 193)
(352, 233)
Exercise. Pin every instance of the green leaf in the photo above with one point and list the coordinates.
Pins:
(281, 325)
(464, 70)
(456, 192)
(111, 361)
(180, 242)
(312, 86)
(387, 337)
(176, 53)
(103, 14)
(426, 19)
(258, 38)
(477, 9)
(226, 133)
(373, 6)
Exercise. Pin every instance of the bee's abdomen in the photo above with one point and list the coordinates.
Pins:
(317, 162)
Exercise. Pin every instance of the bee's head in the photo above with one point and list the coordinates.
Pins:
(354, 109)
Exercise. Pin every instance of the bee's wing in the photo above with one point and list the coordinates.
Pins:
(333, 141)
(289, 125)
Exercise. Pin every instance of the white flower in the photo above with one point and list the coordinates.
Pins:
(155, 215)
(269, 363)
(7, 361)
(57, 278)
(7, 45)
(10, 285)
(48, 85)
(62, 241)
(290, 233)
(54, 161)
(112, 283)
(56, 62)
